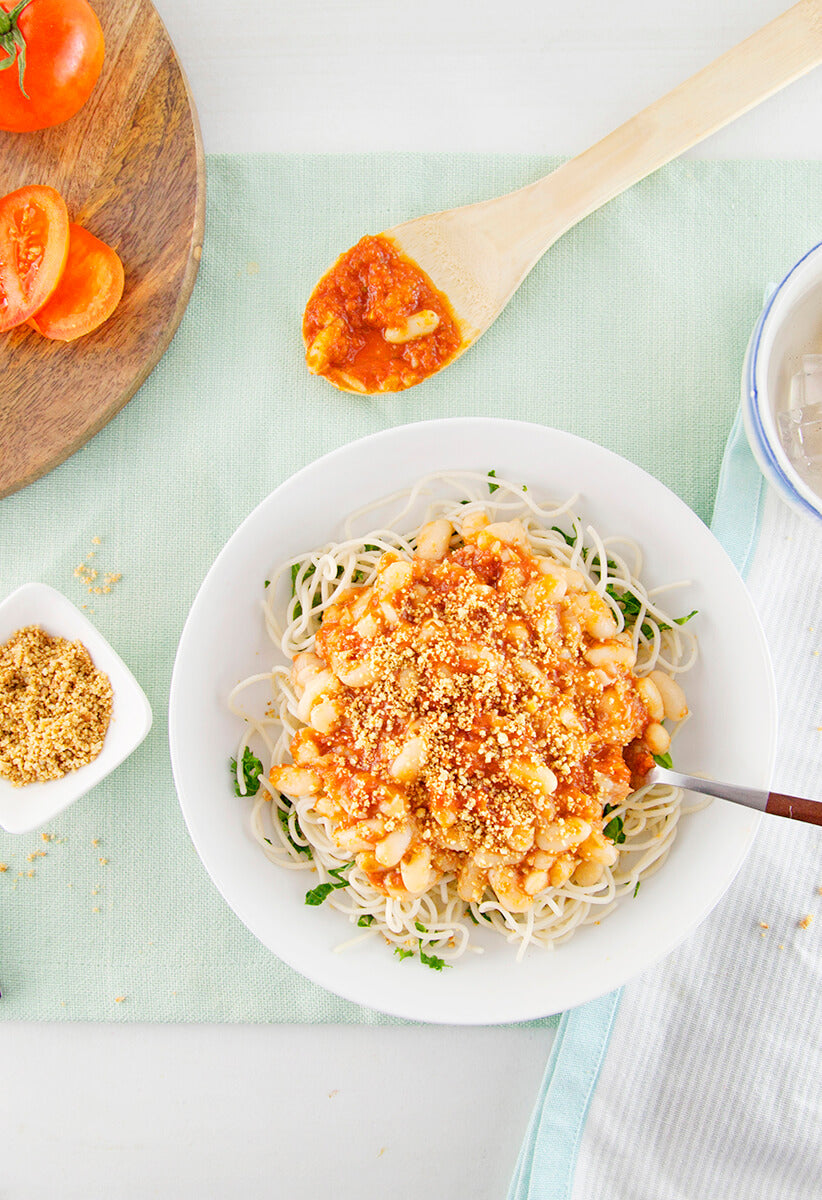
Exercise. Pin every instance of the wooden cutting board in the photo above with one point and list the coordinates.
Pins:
(130, 166)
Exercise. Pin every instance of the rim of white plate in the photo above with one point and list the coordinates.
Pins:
(492, 988)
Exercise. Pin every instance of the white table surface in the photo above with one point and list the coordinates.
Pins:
(185, 1112)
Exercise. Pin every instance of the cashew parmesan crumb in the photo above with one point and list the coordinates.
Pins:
(805, 921)
(89, 576)
(55, 707)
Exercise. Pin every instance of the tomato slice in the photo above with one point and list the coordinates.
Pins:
(34, 242)
(88, 292)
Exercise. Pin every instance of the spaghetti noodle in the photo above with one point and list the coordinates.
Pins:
(467, 709)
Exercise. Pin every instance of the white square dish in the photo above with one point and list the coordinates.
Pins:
(23, 809)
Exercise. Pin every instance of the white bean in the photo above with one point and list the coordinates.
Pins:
(657, 738)
(393, 577)
(673, 697)
(419, 324)
(535, 881)
(318, 356)
(294, 781)
(416, 873)
(588, 873)
(610, 654)
(408, 763)
(533, 774)
(433, 539)
(324, 716)
(391, 849)
(562, 835)
(505, 883)
(649, 694)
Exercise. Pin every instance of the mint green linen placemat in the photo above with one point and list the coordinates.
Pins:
(631, 332)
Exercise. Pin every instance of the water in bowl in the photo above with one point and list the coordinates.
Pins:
(800, 424)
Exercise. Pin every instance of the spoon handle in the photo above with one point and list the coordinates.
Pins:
(796, 807)
(782, 51)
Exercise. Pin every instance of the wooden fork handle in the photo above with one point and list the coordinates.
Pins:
(768, 60)
(795, 807)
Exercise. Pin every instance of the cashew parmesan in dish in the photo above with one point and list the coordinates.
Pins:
(376, 323)
(55, 707)
(469, 715)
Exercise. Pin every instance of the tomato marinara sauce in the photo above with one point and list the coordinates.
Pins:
(376, 323)
(468, 714)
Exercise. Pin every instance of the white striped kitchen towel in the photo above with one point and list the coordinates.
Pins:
(710, 1087)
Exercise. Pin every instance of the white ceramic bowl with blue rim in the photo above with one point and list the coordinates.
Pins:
(789, 326)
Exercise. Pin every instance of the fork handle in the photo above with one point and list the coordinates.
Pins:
(796, 807)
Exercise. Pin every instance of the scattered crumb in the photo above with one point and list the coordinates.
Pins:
(4, 866)
(88, 576)
(253, 268)
(819, 890)
(46, 837)
(382, 1152)
(104, 861)
(805, 921)
(30, 874)
(119, 999)
(781, 947)
(764, 925)
(36, 854)
(335, 1092)
(95, 910)
(762, 933)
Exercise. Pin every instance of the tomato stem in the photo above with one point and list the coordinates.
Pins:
(13, 42)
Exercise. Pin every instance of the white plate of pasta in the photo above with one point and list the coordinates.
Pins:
(441, 659)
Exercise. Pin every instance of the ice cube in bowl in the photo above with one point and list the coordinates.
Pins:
(782, 386)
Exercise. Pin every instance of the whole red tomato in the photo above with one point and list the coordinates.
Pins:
(51, 54)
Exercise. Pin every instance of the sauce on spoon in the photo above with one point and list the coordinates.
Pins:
(376, 323)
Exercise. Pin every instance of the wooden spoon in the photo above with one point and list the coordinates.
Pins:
(479, 254)
(796, 807)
